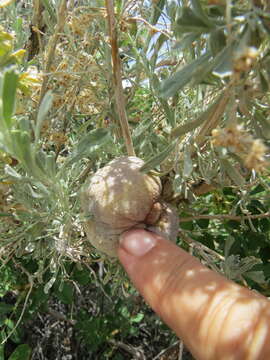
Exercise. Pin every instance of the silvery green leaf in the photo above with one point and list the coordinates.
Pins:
(189, 22)
(42, 188)
(94, 138)
(49, 284)
(257, 276)
(208, 114)
(199, 12)
(189, 126)
(182, 77)
(169, 111)
(12, 173)
(264, 81)
(141, 128)
(224, 62)
(50, 164)
(232, 172)
(42, 112)
(22, 149)
(177, 183)
(157, 11)
(188, 165)
(261, 124)
(186, 41)
(228, 244)
(247, 263)
(8, 94)
(50, 9)
(33, 193)
(217, 41)
(158, 159)
(156, 48)
(89, 143)
(234, 267)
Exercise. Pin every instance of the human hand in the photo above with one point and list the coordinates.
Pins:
(216, 318)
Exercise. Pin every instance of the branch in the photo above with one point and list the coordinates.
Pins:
(135, 352)
(199, 246)
(153, 28)
(60, 317)
(215, 113)
(167, 62)
(117, 77)
(167, 351)
(225, 217)
(62, 10)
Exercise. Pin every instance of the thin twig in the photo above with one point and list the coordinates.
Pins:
(167, 62)
(214, 117)
(153, 28)
(98, 282)
(117, 77)
(31, 284)
(135, 352)
(181, 350)
(164, 351)
(203, 250)
(37, 22)
(200, 246)
(61, 317)
(83, 175)
(225, 217)
(62, 12)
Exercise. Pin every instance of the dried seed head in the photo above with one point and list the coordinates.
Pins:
(256, 157)
(239, 141)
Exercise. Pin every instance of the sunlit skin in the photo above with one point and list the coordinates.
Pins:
(216, 318)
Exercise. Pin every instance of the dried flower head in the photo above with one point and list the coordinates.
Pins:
(256, 156)
(233, 137)
(238, 141)
(244, 60)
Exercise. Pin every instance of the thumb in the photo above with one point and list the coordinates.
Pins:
(156, 267)
(213, 316)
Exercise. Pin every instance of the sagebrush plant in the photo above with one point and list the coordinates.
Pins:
(185, 86)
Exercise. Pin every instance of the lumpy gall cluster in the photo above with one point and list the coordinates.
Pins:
(119, 197)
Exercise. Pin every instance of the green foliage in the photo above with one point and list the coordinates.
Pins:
(22, 352)
(8, 279)
(97, 331)
(191, 70)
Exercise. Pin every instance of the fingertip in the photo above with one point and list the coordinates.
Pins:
(137, 242)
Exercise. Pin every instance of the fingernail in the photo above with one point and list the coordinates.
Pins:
(137, 242)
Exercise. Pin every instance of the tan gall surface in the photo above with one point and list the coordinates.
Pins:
(119, 197)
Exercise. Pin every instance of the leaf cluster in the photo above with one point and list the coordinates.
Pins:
(190, 70)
